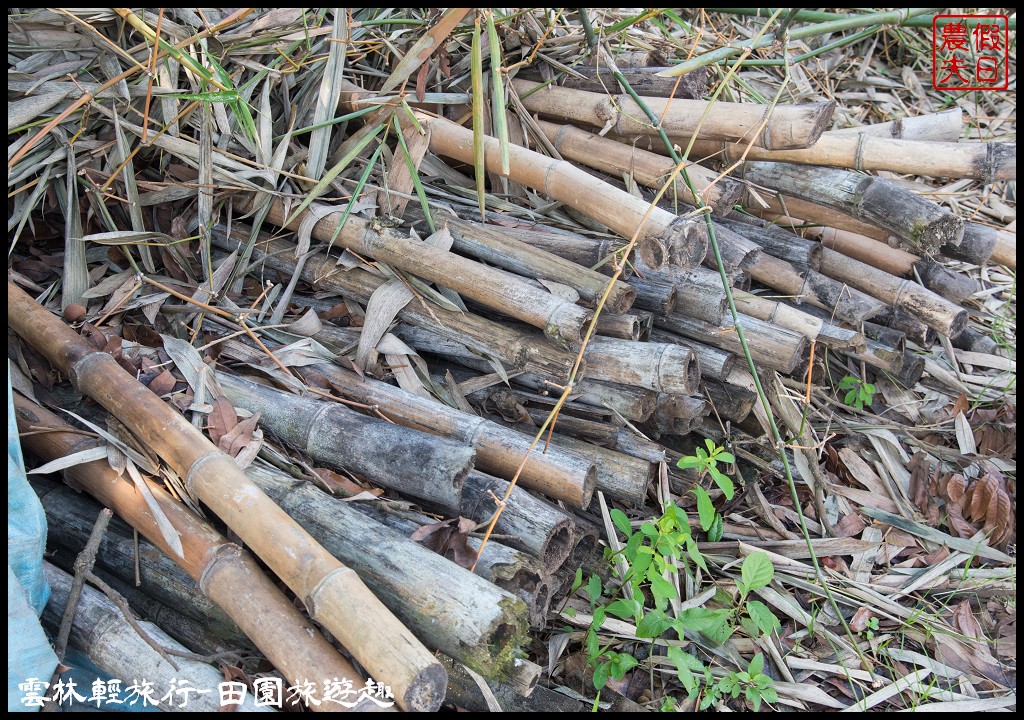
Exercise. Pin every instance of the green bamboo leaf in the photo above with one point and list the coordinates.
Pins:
(498, 118)
(757, 570)
(355, 194)
(477, 75)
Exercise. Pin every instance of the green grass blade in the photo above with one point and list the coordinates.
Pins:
(356, 193)
(415, 173)
(477, 75)
(498, 118)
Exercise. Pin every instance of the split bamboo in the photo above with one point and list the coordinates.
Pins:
(645, 167)
(988, 162)
(494, 245)
(770, 346)
(332, 593)
(919, 225)
(561, 321)
(559, 475)
(788, 126)
(684, 239)
(414, 463)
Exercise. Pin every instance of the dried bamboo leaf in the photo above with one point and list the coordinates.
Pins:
(479, 131)
(381, 310)
(22, 112)
(171, 536)
(328, 94)
(78, 458)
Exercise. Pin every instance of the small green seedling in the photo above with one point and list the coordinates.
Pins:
(858, 392)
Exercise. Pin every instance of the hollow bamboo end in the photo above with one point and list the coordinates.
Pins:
(565, 325)
(686, 242)
(621, 299)
(653, 255)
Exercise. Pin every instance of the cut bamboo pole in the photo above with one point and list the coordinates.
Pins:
(658, 297)
(454, 611)
(493, 244)
(224, 572)
(988, 161)
(333, 595)
(101, 633)
(775, 241)
(730, 401)
(559, 475)
(514, 349)
(685, 239)
(646, 168)
(626, 327)
(905, 367)
(622, 476)
(770, 346)
(1005, 250)
(915, 330)
(777, 313)
(632, 403)
(663, 367)
(562, 322)
(972, 340)
(943, 126)
(714, 363)
(919, 225)
(814, 288)
(677, 414)
(699, 292)
(889, 337)
(933, 310)
(788, 126)
(414, 463)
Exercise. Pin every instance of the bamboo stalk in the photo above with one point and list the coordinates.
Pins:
(777, 313)
(915, 330)
(714, 363)
(414, 463)
(626, 327)
(662, 367)
(685, 240)
(224, 572)
(933, 310)
(904, 367)
(730, 401)
(644, 80)
(770, 346)
(658, 297)
(514, 349)
(919, 225)
(622, 476)
(493, 244)
(972, 340)
(562, 322)
(988, 161)
(632, 403)
(100, 632)
(788, 126)
(775, 241)
(699, 292)
(889, 337)
(677, 414)
(942, 126)
(814, 288)
(333, 595)
(1005, 250)
(646, 168)
(454, 611)
(559, 475)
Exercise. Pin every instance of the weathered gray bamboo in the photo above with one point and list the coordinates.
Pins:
(814, 288)
(714, 363)
(738, 253)
(915, 330)
(777, 313)
(644, 80)
(562, 322)
(101, 633)
(943, 126)
(654, 366)
(332, 594)
(677, 414)
(622, 476)
(988, 162)
(699, 291)
(494, 245)
(774, 240)
(415, 464)
(513, 570)
(933, 310)
(788, 126)
(770, 346)
(645, 167)
(905, 367)
(685, 239)
(559, 475)
(1004, 249)
(658, 297)
(632, 403)
(731, 402)
(839, 338)
(919, 225)
(889, 337)
(627, 327)
(972, 340)
(512, 348)
(454, 611)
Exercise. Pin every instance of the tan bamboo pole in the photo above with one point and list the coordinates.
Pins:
(988, 161)
(562, 322)
(770, 346)
(714, 363)
(492, 244)
(777, 313)
(919, 225)
(943, 126)
(788, 126)
(930, 308)
(411, 462)
(646, 168)
(558, 475)
(512, 347)
(224, 572)
(333, 595)
(815, 288)
(1005, 250)
(699, 292)
(686, 240)
(455, 611)
(622, 476)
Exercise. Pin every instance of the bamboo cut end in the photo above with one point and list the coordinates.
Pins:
(794, 127)
(686, 241)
